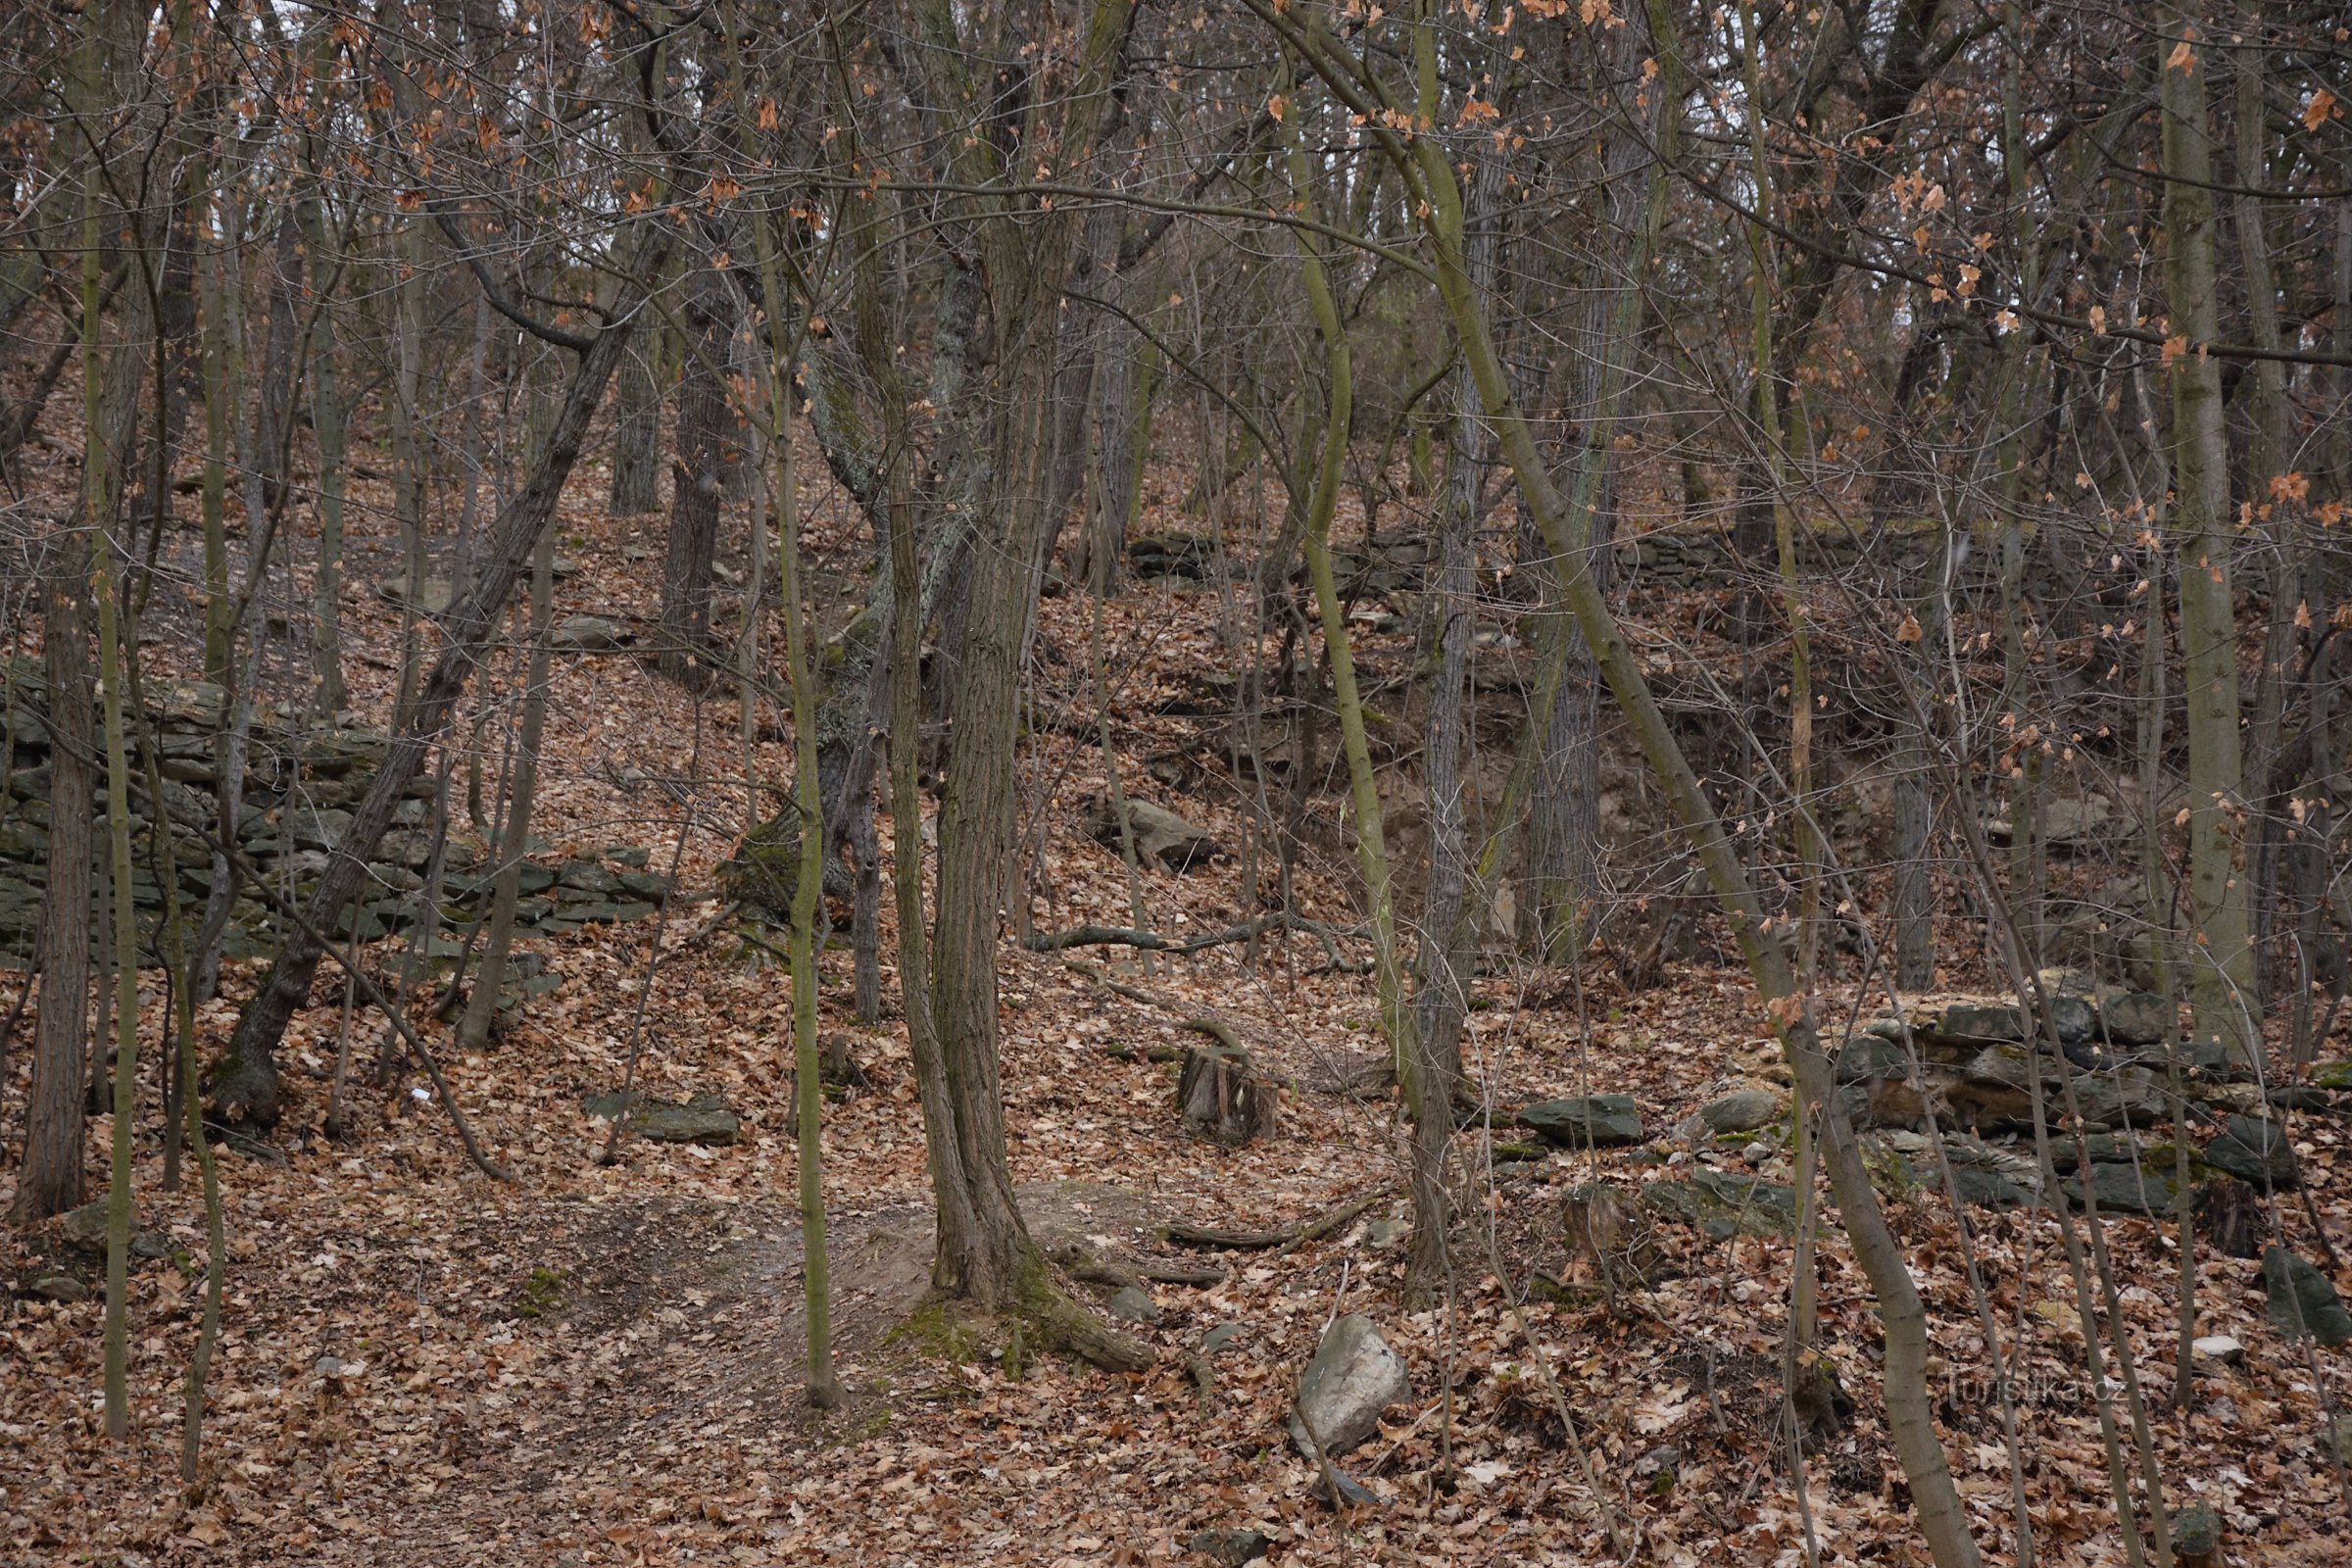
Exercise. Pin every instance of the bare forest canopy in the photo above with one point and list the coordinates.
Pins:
(1550, 782)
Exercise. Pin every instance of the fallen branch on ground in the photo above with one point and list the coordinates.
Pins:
(1201, 1023)
(1185, 1233)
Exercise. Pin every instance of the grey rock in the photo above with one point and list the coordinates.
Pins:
(2128, 1189)
(1872, 1055)
(2301, 1300)
(1134, 1305)
(1354, 1377)
(193, 704)
(650, 886)
(2255, 1151)
(339, 752)
(1743, 1111)
(2077, 1018)
(1161, 837)
(1973, 1022)
(1724, 1204)
(1220, 1336)
(408, 847)
(2103, 1149)
(317, 829)
(1229, 1547)
(2196, 1533)
(1605, 1121)
(63, 1289)
(431, 596)
(86, 1227)
(588, 877)
(2133, 1017)
(1990, 1188)
(705, 1119)
(588, 634)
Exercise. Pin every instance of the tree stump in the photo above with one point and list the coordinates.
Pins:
(1221, 1099)
(2230, 1216)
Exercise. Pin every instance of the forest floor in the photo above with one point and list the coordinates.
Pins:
(601, 1363)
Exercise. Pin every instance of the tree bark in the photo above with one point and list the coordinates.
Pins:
(51, 1178)
(637, 431)
(705, 433)
(2221, 995)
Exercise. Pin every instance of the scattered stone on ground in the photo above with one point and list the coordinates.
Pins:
(2301, 1300)
(2255, 1151)
(1724, 1204)
(705, 1119)
(1354, 1377)
(1601, 1120)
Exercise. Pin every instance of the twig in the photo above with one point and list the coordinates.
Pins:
(1208, 1024)
(653, 958)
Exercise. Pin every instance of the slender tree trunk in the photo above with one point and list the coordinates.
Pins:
(1564, 816)
(274, 410)
(2222, 993)
(50, 1181)
(329, 423)
(2268, 456)
(515, 834)
(705, 422)
(111, 661)
(1440, 983)
(1427, 1091)
(637, 431)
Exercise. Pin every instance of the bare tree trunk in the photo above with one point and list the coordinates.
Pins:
(1441, 984)
(2222, 993)
(274, 409)
(1427, 1091)
(330, 418)
(705, 424)
(985, 1251)
(112, 665)
(637, 431)
(1913, 898)
(2267, 456)
(1564, 815)
(515, 834)
(50, 1181)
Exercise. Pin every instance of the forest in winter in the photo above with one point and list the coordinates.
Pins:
(1082, 782)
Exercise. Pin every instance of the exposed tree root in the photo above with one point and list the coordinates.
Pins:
(1299, 1235)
